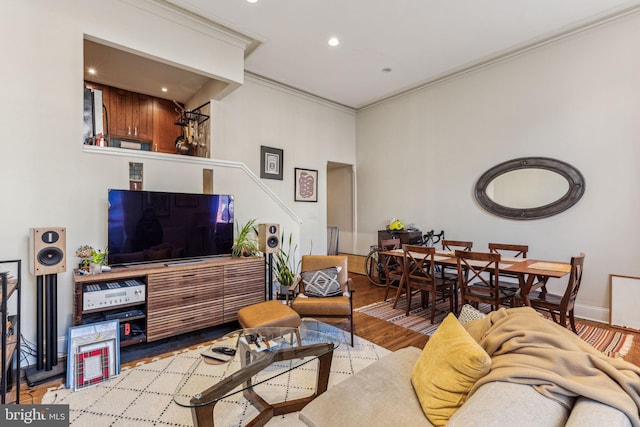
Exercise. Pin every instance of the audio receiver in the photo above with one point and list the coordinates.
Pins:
(112, 294)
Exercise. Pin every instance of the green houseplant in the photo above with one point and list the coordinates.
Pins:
(246, 241)
(285, 268)
(91, 258)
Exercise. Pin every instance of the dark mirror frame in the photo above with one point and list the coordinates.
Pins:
(571, 174)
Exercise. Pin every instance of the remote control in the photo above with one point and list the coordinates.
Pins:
(228, 351)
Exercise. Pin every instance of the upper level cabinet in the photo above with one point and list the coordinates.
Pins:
(165, 131)
(131, 115)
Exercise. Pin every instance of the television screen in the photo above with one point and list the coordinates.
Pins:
(148, 226)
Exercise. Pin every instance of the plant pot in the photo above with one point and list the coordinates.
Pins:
(95, 268)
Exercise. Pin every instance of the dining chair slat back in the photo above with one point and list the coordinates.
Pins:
(476, 273)
(453, 245)
(561, 305)
(390, 265)
(514, 251)
(420, 275)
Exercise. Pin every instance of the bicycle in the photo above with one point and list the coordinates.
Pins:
(374, 268)
(430, 238)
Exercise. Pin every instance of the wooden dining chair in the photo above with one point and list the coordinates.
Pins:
(390, 264)
(561, 305)
(506, 280)
(420, 276)
(453, 245)
(476, 279)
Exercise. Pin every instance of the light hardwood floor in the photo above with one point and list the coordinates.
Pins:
(375, 330)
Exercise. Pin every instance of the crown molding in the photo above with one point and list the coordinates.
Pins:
(195, 22)
(509, 54)
(265, 81)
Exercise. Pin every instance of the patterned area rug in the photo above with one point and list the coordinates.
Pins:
(142, 396)
(610, 342)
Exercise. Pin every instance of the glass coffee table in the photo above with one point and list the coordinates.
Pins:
(245, 358)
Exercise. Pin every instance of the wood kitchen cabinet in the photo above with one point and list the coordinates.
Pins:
(138, 117)
(164, 129)
(130, 115)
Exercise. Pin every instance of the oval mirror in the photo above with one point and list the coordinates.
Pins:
(529, 188)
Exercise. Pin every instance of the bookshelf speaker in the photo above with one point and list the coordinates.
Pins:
(47, 250)
(269, 238)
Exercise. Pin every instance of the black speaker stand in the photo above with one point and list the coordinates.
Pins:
(269, 285)
(46, 332)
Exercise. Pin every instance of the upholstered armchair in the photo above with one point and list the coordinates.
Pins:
(319, 296)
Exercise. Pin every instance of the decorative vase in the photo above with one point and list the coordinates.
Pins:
(95, 268)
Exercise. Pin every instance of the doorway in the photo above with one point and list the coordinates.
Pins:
(340, 207)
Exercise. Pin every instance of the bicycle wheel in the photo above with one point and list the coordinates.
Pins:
(374, 268)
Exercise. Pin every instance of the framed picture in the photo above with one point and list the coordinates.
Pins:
(271, 161)
(623, 292)
(93, 354)
(92, 367)
(306, 185)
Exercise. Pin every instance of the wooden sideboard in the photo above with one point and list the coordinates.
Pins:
(178, 298)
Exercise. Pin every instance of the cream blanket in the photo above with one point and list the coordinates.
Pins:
(525, 348)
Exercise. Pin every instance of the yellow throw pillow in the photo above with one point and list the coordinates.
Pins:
(448, 367)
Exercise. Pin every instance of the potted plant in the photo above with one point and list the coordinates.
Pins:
(246, 241)
(92, 259)
(285, 268)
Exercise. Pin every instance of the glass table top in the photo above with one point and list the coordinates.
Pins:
(247, 357)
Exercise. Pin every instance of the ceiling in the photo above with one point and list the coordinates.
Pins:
(389, 47)
(126, 70)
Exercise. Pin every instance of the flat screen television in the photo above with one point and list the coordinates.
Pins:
(150, 226)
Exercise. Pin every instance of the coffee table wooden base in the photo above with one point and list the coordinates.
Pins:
(203, 415)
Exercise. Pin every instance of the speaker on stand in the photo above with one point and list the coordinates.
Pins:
(47, 259)
(268, 244)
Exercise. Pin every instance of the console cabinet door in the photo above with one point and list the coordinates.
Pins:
(180, 301)
(244, 284)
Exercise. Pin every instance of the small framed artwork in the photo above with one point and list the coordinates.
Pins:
(271, 161)
(93, 354)
(306, 185)
(92, 367)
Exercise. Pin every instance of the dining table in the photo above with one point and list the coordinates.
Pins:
(531, 273)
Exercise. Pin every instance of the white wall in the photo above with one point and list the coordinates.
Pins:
(311, 133)
(575, 100)
(48, 179)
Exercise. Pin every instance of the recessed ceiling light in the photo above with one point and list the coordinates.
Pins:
(252, 1)
(164, 89)
(91, 71)
(333, 41)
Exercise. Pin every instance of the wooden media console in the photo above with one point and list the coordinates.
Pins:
(179, 297)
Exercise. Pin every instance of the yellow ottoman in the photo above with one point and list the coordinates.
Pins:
(268, 313)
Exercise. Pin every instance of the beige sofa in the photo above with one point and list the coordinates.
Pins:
(565, 367)
(382, 395)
